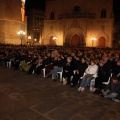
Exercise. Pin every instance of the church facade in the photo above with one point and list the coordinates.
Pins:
(77, 22)
(11, 21)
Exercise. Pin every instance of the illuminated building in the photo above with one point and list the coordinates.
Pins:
(11, 21)
(35, 25)
(76, 22)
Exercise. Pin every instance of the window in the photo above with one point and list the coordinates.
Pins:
(103, 13)
(76, 9)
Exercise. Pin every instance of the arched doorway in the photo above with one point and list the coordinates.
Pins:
(74, 37)
(101, 42)
(75, 40)
(52, 41)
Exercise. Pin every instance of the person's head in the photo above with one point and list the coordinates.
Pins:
(105, 58)
(77, 58)
(114, 79)
(40, 61)
(55, 58)
(48, 55)
(69, 59)
(101, 63)
(83, 60)
(92, 62)
(59, 58)
(118, 62)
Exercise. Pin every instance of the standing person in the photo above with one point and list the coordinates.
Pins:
(90, 73)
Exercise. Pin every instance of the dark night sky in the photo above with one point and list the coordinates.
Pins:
(40, 4)
(116, 8)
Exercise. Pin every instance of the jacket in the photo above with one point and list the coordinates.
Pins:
(92, 70)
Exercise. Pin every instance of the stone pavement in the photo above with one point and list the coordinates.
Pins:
(27, 97)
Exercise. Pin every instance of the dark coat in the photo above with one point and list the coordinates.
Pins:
(68, 67)
(81, 68)
(116, 69)
(116, 88)
(103, 73)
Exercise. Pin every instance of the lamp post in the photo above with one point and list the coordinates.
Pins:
(35, 41)
(92, 39)
(21, 33)
(29, 38)
(55, 38)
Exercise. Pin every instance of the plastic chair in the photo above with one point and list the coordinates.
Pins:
(9, 64)
(60, 73)
(43, 70)
(106, 83)
(20, 66)
(92, 83)
(72, 75)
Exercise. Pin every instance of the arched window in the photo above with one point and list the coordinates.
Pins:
(52, 15)
(103, 13)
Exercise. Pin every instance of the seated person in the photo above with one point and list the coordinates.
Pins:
(33, 63)
(116, 69)
(102, 76)
(90, 73)
(67, 71)
(25, 66)
(57, 68)
(49, 67)
(42, 65)
(117, 98)
(81, 67)
(113, 88)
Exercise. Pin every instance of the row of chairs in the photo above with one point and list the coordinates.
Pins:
(9, 65)
(60, 75)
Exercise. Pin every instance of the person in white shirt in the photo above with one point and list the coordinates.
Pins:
(90, 73)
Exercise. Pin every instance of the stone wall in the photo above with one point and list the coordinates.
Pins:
(10, 21)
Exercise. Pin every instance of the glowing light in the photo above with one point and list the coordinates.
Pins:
(21, 33)
(54, 38)
(29, 37)
(23, 1)
(92, 39)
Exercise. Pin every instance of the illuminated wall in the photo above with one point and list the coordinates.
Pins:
(10, 21)
(65, 19)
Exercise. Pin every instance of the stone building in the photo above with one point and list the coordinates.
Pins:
(78, 22)
(11, 21)
(35, 24)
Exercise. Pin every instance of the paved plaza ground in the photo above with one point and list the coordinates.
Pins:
(27, 97)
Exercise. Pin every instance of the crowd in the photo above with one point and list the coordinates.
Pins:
(83, 67)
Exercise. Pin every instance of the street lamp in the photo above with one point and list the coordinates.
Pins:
(54, 38)
(29, 38)
(35, 41)
(92, 39)
(21, 33)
